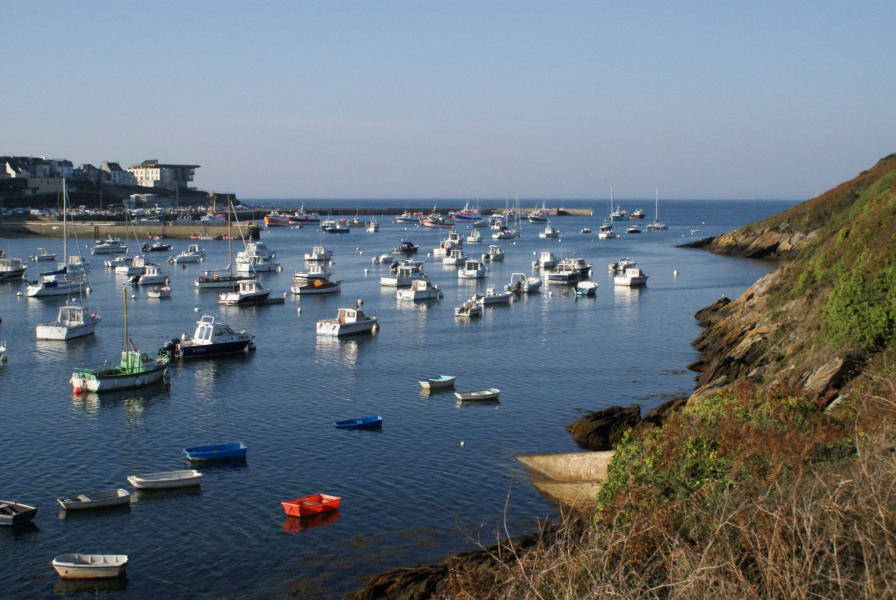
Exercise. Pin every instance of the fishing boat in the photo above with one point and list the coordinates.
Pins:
(468, 309)
(159, 292)
(409, 217)
(236, 450)
(348, 321)
(404, 276)
(90, 566)
(606, 232)
(421, 289)
(275, 219)
(520, 283)
(372, 422)
(406, 247)
(136, 369)
(248, 291)
(495, 254)
(545, 260)
(475, 237)
(455, 258)
(539, 215)
(110, 245)
(99, 499)
(631, 277)
(438, 383)
(656, 225)
(193, 254)
(73, 321)
(472, 269)
(435, 220)
(586, 288)
(467, 213)
(15, 513)
(165, 480)
(300, 216)
(314, 504)
(256, 258)
(549, 232)
(638, 214)
(156, 246)
(489, 394)
(42, 255)
(11, 268)
(373, 226)
(493, 296)
(209, 339)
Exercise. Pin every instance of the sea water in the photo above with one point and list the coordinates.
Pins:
(438, 479)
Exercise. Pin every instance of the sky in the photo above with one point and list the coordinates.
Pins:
(463, 100)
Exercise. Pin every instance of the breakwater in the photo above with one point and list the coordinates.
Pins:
(123, 230)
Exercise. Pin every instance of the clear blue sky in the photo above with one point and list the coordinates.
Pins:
(466, 99)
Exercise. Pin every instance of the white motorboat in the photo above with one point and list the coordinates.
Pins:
(520, 283)
(99, 499)
(420, 289)
(316, 280)
(159, 292)
(475, 237)
(633, 229)
(472, 269)
(470, 308)
(73, 321)
(495, 254)
(319, 253)
(210, 338)
(452, 242)
(631, 277)
(166, 479)
(549, 232)
(193, 254)
(249, 291)
(456, 258)
(606, 232)
(492, 296)
(134, 266)
(383, 259)
(586, 288)
(621, 265)
(373, 226)
(2, 350)
(122, 260)
(545, 260)
(348, 321)
(256, 258)
(43, 255)
(110, 246)
(152, 275)
(90, 566)
(404, 276)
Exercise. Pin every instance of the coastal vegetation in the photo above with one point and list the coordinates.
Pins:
(777, 479)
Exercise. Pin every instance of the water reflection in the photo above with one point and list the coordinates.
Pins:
(133, 402)
(495, 403)
(151, 495)
(344, 350)
(67, 587)
(297, 524)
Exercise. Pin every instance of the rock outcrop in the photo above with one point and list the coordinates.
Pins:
(600, 430)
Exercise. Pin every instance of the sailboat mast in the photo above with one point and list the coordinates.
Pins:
(64, 228)
(127, 348)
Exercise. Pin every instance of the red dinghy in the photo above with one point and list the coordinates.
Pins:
(311, 505)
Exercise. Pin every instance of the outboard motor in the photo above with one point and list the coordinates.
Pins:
(170, 346)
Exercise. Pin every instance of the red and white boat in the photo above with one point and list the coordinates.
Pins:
(409, 217)
(314, 504)
(437, 220)
(275, 219)
(300, 216)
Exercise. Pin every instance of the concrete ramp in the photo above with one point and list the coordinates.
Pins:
(572, 479)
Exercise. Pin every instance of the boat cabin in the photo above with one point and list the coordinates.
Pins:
(350, 315)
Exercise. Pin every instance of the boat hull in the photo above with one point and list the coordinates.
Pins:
(216, 452)
(436, 383)
(368, 423)
(103, 499)
(166, 480)
(90, 566)
(332, 328)
(489, 394)
(15, 513)
(311, 505)
(104, 380)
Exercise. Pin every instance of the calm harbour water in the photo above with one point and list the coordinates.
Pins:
(411, 493)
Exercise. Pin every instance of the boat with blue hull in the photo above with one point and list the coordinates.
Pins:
(216, 452)
(373, 422)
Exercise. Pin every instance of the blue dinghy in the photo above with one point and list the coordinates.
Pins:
(372, 422)
(216, 452)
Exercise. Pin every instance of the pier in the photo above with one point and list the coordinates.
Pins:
(99, 230)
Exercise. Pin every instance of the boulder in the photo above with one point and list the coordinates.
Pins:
(600, 430)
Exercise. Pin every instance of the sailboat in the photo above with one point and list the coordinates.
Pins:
(316, 280)
(606, 230)
(69, 277)
(223, 278)
(656, 225)
(136, 368)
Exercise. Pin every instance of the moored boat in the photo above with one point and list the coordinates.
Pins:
(436, 383)
(372, 422)
(421, 289)
(90, 566)
(11, 268)
(468, 309)
(631, 277)
(236, 450)
(73, 321)
(98, 499)
(248, 291)
(15, 513)
(520, 283)
(165, 479)
(348, 321)
(488, 394)
(586, 288)
(472, 269)
(493, 296)
(159, 292)
(209, 339)
(311, 505)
